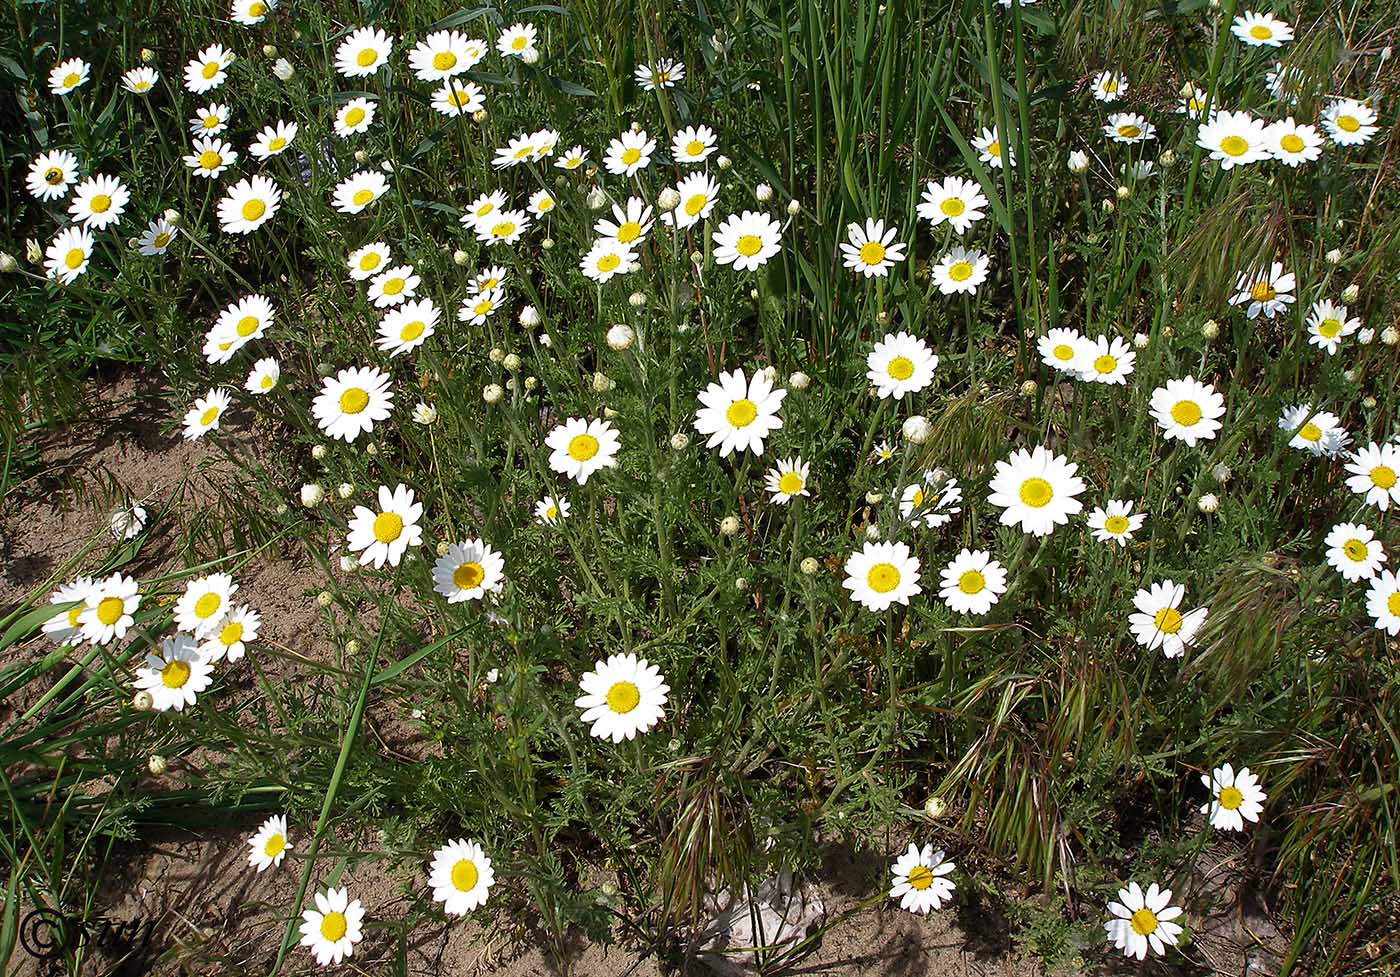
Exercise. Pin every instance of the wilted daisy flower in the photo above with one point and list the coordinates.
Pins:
(1285, 84)
(1261, 30)
(881, 574)
(99, 201)
(572, 159)
(955, 200)
(249, 204)
(157, 237)
(920, 879)
(629, 153)
(1116, 522)
(461, 876)
(139, 81)
(517, 151)
(65, 628)
(208, 70)
(488, 205)
(1354, 552)
(1108, 360)
(738, 413)
(788, 479)
(333, 928)
(1129, 127)
(1187, 410)
(204, 603)
(1382, 602)
(230, 636)
(1328, 324)
(364, 263)
(176, 675)
(542, 202)
(109, 608)
(204, 416)
(67, 255)
(69, 75)
(210, 157)
(492, 277)
(550, 509)
(443, 54)
(1160, 622)
(1267, 292)
(1109, 86)
(871, 250)
(1375, 474)
(1234, 138)
(961, 271)
(935, 500)
(269, 844)
(504, 227)
(747, 240)
(210, 120)
(991, 151)
(1037, 490)
(273, 139)
(580, 448)
(404, 329)
(1293, 144)
(900, 364)
(1349, 122)
(696, 193)
(424, 414)
(1235, 798)
(664, 74)
(693, 144)
(263, 377)
(393, 286)
(480, 306)
(622, 697)
(239, 324)
(127, 521)
(1318, 432)
(1143, 919)
(352, 402)
(358, 191)
(385, 534)
(882, 453)
(51, 174)
(516, 40)
(973, 582)
(250, 13)
(468, 571)
(1066, 350)
(362, 53)
(457, 97)
(355, 116)
(629, 227)
(1193, 102)
(606, 259)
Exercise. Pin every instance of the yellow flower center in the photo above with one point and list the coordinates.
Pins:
(1063, 352)
(75, 258)
(790, 483)
(1383, 476)
(276, 144)
(53, 176)
(882, 578)
(367, 57)
(483, 307)
(1129, 131)
(524, 151)
(920, 877)
(1310, 432)
(1348, 123)
(631, 155)
(209, 416)
(444, 61)
(952, 207)
(468, 576)
(73, 613)
(1292, 142)
(582, 447)
(629, 232)
(254, 209)
(1260, 32)
(608, 262)
(1230, 798)
(1392, 603)
(994, 149)
(275, 845)
(741, 413)
(1263, 291)
(917, 499)
(1105, 364)
(900, 368)
(257, 9)
(694, 148)
(552, 513)
(464, 875)
(547, 203)
(212, 121)
(1117, 525)
(411, 332)
(355, 116)
(370, 261)
(211, 68)
(160, 240)
(960, 271)
(1234, 146)
(247, 326)
(972, 582)
(748, 245)
(623, 697)
(1329, 328)
(393, 286)
(100, 204)
(353, 400)
(207, 606)
(1144, 922)
(872, 253)
(333, 924)
(71, 79)
(519, 43)
(266, 382)
(388, 526)
(695, 204)
(1036, 492)
(175, 674)
(1187, 413)
(110, 610)
(1167, 620)
(503, 229)
(231, 634)
(1109, 87)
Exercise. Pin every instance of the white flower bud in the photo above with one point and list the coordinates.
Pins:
(741, 583)
(1365, 336)
(511, 362)
(1123, 193)
(1351, 293)
(794, 208)
(443, 547)
(269, 50)
(143, 701)
(318, 451)
(547, 244)
(1078, 162)
(680, 441)
(668, 200)
(173, 216)
(425, 414)
(530, 55)
(460, 258)
(872, 532)
(873, 498)
(1208, 503)
(361, 156)
(1029, 388)
(810, 566)
(729, 525)
(1210, 329)
(530, 317)
(324, 598)
(1350, 375)
(496, 354)
(620, 337)
(601, 383)
(283, 69)
(1368, 402)
(147, 56)
(492, 393)
(1108, 206)
(1221, 472)
(372, 450)
(348, 564)
(1166, 159)
(352, 647)
(596, 199)
(637, 300)
(157, 764)
(935, 807)
(480, 116)
(1334, 257)
(722, 162)
(763, 193)
(8, 262)
(799, 381)
(1141, 340)
(531, 383)
(33, 253)
(545, 340)
(345, 490)
(1390, 336)
(771, 373)
(916, 429)
(312, 494)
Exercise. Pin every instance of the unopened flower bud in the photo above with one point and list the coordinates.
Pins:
(530, 55)
(361, 156)
(1078, 162)
(620, 337)
(1368, 402)
(680, 441)
(530, 317)
(348, 564)
(1141, 340)
(637, 300)
(763, 193)
(496, 355)
(480, 116)
(157, 764)
(1365, 336)
(283, 69)
(143, 701)
(318, 451)
(547, 244)
(33, 253)
(916, 429)
(511, 362)
(269, 50)
(1221, 472)
(1334, 257)
(596, 199)
(1123, 193)
(1208, 503)
(8, 262)
(1029, 388)
(324, 599)
(1351, 293)
(345, 490)
(729, 525)
(1210, 329)
(872, 531)
(1390, 336)
(799, 381)
(741, 583)
(810, 566)
(794, 208)
(531, 383)
(460, 258)
(935, 807)
(492, 393)
(668, 200)
(722, 162)
(312, 494)
(1107, 205)
(172, 216)
(601, 383)
(352, 647)
(1166, 159)
(147, 56)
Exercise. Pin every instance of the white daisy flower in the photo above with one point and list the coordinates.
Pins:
(738, 413)
(1187, 410)
(393, 286)
(468, 571)
(65, 628)
(274, 139)
(1234, 138)
(229, 639)
(1375, 474)
(1261, 30)
(407, 327)
(629, 153)
(352, 402)
(961, 271)
(622, 697)
(249, 204)
(516, 40)
(175, 675)
(66, 76)
(157, 237)
(461, 876)
(1354, 552)
(697, 193)
(140, 81)
(1160, 623)
(957, 201)
(1234, 798)
(1349, 122)
(51, 174)
(504, 227)
(606, 259)
(629, 226)
(1382, 602)
(67, 255)
(333, 928)
(973, 582)
(109, 610)
(205, 601)
(210, 120)
(358, 191)
(693, 144)
(747, 240)
(206, 413)
(920, 879)
(264, 376)
(1116, 522)
(1109, 86)
(664, 74)
(480, 306)
(1293, 144)
(99, 201)
(364, 263)
(1141, 920)
(442, 55)
(579, 448)
(1037, 490)
(362, 53)
(551, 509)
(788, 480)
(384, 535)
(457, 97)
(881, 574)
(209, 70)
(1108, 360)
(269, 844)
(1329, 324)
(1066, 350)
(900, 364)
(871, 250)
(991, 151)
